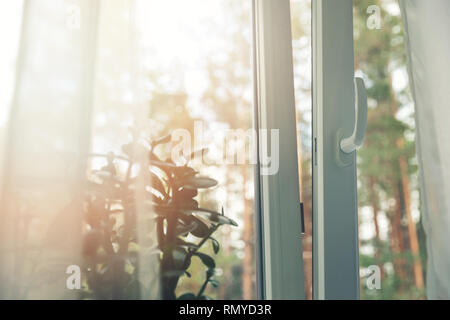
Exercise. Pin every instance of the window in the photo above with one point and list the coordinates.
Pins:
(171, 149)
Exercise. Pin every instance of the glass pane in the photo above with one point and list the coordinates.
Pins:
(124, 75)
(392, 240)
(199, 79)
(301, 43)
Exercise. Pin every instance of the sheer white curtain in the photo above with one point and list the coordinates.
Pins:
(61, 88)
(427, 25)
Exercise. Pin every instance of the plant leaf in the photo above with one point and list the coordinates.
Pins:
(180, 260)
(199, 182)
(212, 216)
(215, 245)
(201, 230)
(207, 260)
(187, 296)
(214, 283)
(185, 229)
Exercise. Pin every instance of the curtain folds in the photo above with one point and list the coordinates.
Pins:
(47, 140)
(70, 53)
(427, 26)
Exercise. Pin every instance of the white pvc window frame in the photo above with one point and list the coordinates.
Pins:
(335, 210)
(335, 221)
(281, 263)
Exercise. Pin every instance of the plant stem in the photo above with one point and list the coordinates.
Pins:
(201, 243)
(203, 287)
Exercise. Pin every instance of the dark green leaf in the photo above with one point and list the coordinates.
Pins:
(214, 283)
(209, 273)
(215, 245)
(187, 296)
(180, 260)
(201, 230)
(207, 260)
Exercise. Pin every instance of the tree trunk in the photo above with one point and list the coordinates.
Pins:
(375, 207)
(398, 235)
(397, 187)
(413, 241)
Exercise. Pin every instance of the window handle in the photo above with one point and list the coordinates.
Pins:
(353, 142)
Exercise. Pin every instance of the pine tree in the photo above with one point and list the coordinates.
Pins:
(384, 169)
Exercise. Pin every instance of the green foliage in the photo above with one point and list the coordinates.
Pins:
(164, 195)
(377, 56)
(392, 286)
(389, 140)
(378, 52)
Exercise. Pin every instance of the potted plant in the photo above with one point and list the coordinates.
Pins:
(167, 195)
